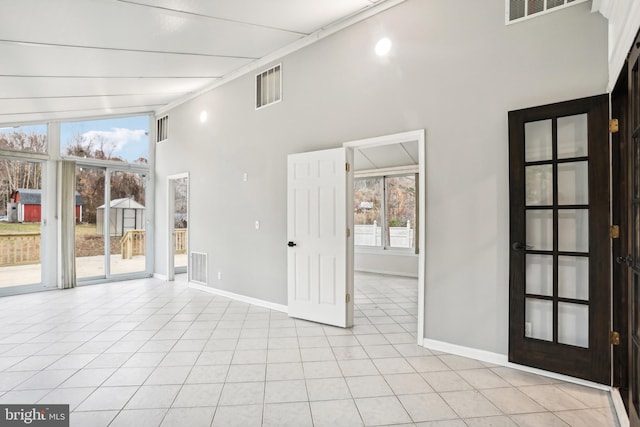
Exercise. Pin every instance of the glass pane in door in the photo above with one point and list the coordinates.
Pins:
(539, 278)
(572, 136)
(540, 229)
(539, 319)
(573, 324)
(573, 230)
(20, 218)
(538, 141)
(573, 183)
(90, 253)
(127, 223)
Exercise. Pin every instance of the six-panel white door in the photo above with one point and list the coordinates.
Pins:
(319, 220)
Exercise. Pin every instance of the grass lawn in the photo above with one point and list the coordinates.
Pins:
(18, 228)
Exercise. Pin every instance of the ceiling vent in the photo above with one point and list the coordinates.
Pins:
(162, 132)
(269, 87)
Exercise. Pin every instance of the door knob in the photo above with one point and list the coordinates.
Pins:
(517, 246)
(625, 260)
(291, 244)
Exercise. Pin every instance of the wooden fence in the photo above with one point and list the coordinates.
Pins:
(19, 249)
(24, 248)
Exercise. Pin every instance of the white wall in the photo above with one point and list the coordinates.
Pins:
(399, 264)
(455, 70)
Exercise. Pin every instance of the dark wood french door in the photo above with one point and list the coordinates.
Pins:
(560, 293)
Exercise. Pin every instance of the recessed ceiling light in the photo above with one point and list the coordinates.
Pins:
(383, 46)
(203, 116)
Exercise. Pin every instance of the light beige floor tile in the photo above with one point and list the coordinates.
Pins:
(287, 415)
(459, 362)
(139, 418)
(483, 378)
(198, 395)
(588, 417)
(546, 419)
(246, 373)
(286, 391)
(335, 413)
(284, 371)
(427, 407)
(512, 401)
(552, 398)
(242, 394)
(192, 417)
(470, 404)
(327, 389)
(382, 411)
(368, 386)
(446, 381)
(498, 421)
(411, 383)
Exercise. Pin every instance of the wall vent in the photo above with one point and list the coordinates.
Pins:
(517, 10)
(198, 268)
(269, 87)
(162, 132)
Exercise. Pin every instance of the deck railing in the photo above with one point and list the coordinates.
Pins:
(19, 249)
(24, 248)
(134, 242)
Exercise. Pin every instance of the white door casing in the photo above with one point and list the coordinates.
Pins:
(319, 224)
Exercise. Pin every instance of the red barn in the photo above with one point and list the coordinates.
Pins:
(28, 204)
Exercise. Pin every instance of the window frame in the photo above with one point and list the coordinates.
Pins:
(383, 174)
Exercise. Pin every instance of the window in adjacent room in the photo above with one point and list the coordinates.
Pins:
(385, 211)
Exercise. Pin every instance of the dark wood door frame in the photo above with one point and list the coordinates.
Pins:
(620, 247)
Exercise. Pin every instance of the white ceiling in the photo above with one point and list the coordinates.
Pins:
(67, 59)
(386, 156)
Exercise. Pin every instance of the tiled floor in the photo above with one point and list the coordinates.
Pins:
(150, 353)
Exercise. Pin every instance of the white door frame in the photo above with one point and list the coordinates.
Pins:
(171, 200)
(398, 138)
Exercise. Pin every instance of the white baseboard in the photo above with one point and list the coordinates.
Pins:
(618, 405)
(242, 298)
(386, 272)
(160, 276)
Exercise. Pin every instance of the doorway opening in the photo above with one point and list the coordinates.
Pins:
(178, 220)
(389, 181)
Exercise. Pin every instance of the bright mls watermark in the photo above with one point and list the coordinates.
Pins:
(34, 415)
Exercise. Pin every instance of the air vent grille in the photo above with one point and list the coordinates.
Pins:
(269, 87)
(162, 132)
(199, 268)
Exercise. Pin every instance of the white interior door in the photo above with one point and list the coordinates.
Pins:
(319, 223)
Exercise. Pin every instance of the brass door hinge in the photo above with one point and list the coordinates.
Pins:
(614, 126)
(614, 338)
(348, 233)
(348, 167)
(348, 298)
(614, 232)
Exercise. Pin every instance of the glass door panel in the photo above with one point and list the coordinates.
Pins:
(20, 218)
(127, 223)
(90, 244)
